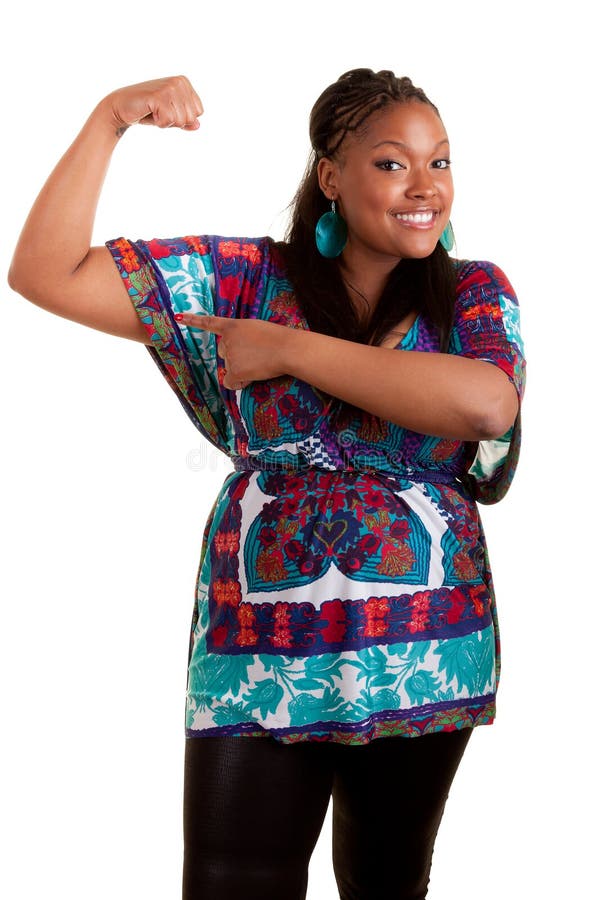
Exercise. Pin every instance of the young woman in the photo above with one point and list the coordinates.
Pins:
(367, 387)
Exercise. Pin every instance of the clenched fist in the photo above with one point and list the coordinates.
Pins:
(165, 102)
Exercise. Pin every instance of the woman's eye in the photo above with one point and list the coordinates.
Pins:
(389, 165)
(446, 163)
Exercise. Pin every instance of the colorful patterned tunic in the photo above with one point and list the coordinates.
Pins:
(344, 590)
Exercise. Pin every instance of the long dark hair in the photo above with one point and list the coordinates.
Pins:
(426, 285)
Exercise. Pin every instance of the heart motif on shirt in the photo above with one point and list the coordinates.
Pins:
(330, 532)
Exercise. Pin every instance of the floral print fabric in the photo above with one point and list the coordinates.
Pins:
(344, 591)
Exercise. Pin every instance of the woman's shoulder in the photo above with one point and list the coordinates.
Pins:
(226, 247)
(481, 275)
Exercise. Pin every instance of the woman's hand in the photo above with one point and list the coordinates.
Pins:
(165, 102)
(251, 349)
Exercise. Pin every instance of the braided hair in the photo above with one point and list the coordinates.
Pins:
(347, 103)
(425, 285)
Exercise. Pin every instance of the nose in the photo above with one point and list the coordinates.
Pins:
(422, 184)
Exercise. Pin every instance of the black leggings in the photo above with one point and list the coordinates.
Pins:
(253, 810)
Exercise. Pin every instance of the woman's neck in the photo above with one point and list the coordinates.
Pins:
(365, 278)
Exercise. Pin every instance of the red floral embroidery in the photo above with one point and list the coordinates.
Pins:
(197, 246)
(227, 541)
(479, 598)
(483, 309)
(229, 287)
(396, 560)
(227, 591)
(457, 605)
(247, 636)
(227, 249)
(282, 639)
(270, 567)
(282, 636)
(128, 256)
(463, 565)
(418, 622)
(377, 606)
(375, 628)
(252, 254)
(376, 609)
(246, 615)
(290, 506)
(160, 249)
(421, 602)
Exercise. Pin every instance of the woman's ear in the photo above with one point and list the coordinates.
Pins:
(326, 173)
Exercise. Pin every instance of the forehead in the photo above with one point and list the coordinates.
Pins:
(412, 123)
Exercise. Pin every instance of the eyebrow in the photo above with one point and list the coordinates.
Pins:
(405, 146)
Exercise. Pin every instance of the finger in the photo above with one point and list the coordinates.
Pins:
(233, 385)
(178, 116)
(191, 121)
(174, 114)
(197, 104)
(207, 323)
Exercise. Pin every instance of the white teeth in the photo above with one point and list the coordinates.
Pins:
(422, 218)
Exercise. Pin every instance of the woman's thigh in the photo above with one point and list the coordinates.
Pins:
(388, 801)
(252, 813)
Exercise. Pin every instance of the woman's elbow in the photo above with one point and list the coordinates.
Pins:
(499, 416)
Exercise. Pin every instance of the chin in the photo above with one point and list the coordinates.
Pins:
(419, 252)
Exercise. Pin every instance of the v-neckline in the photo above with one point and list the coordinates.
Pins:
(408, 333)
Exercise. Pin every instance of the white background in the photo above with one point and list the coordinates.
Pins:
(107, 486)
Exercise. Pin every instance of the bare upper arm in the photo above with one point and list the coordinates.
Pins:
(94, 295)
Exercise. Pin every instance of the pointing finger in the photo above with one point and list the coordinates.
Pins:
(207, 323)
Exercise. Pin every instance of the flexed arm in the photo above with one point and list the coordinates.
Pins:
(53, 264)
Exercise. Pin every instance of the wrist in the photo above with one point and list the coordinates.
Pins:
(104, 119)
(294, 349)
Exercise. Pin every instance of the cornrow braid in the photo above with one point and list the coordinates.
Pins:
(346, 105)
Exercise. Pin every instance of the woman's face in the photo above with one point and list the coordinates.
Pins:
(393, 185)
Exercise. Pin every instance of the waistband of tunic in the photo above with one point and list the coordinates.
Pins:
(254, 463)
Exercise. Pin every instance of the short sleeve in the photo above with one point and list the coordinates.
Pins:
(203, 274)
(487, 327)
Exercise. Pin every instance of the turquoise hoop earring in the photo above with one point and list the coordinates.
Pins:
(331, 234)
(447, 237)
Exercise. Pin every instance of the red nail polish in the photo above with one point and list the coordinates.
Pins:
(179, 317)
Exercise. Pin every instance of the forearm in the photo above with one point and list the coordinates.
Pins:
(431, 393)
(58, 231)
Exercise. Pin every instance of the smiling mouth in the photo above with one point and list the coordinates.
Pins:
(417, 219)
